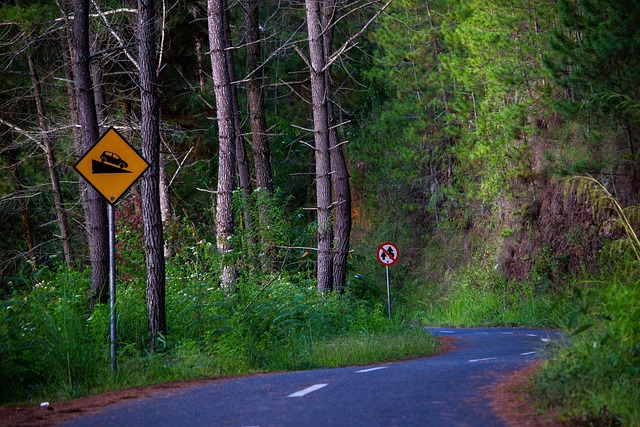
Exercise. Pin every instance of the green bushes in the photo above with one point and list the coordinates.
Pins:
(53, 347)
(596, 380)
(50, 344)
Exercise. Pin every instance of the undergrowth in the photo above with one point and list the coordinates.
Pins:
(596, 379)
(55, 348)
(481, 297)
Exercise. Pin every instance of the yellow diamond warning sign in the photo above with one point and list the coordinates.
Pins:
(111, 166)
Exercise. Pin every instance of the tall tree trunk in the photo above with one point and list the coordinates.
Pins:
(96, 213)
(99, 94)
(76, 134)
(341, 210)
(150, 184)
(340, 174)
(321, 139)
(258, 123)
(255, 93)
(242, 164)
(67, 55)
(165, 205)
(45, 144)
(216, 17)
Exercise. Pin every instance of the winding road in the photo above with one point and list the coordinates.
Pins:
(445, 390)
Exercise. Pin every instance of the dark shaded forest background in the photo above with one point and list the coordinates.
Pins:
(459, 118)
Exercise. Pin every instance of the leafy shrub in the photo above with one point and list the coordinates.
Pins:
(49, 344)
(596, 379)
(54, 347)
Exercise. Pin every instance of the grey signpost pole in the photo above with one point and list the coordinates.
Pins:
(388, 293)
(387, 255)
(112, 287)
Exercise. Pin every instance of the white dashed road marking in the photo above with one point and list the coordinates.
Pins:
(307, 390)
(528, 353)
(481, 360)
(370, 369)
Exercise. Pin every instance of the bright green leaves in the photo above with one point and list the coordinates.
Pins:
(494, 60)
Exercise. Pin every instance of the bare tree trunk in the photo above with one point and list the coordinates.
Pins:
(96, 213)
(67, 54)
(61, 214)
(165, 205)
(242, 164)
(340, 174)
(341, 210)
(98, 92)
(321, 139)
(150, 184)
(258, 122)
(255, 93)
(216, 17)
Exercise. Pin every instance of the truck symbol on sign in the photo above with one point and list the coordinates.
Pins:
(113, 158)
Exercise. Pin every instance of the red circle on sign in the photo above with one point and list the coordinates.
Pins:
(387, 254)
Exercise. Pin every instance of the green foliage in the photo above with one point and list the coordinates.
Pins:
(54, 348)
(594, 380)
(607, 207)
(27, 13)
(598, 41)
(495, 60)
(49, 341)
(481, 297)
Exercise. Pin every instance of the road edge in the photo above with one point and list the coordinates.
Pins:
(511, 400)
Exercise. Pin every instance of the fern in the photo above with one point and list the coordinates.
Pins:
(605, 204)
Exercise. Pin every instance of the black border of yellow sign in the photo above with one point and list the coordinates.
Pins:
(112, 176)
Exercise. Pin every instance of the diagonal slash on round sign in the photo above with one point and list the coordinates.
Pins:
(386, 249)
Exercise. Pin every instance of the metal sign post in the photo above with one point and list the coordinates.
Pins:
(111, 166)
(387, 255)
(388, 293)
(112, 287)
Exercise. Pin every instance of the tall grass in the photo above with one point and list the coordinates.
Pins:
(49, 342)
(483, 298)
(54, 348)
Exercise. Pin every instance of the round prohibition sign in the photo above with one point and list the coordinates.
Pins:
(387, 253)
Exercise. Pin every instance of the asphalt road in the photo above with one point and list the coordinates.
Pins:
(445, 390)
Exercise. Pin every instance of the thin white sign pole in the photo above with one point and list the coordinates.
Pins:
(388, 293)
(112, 287)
